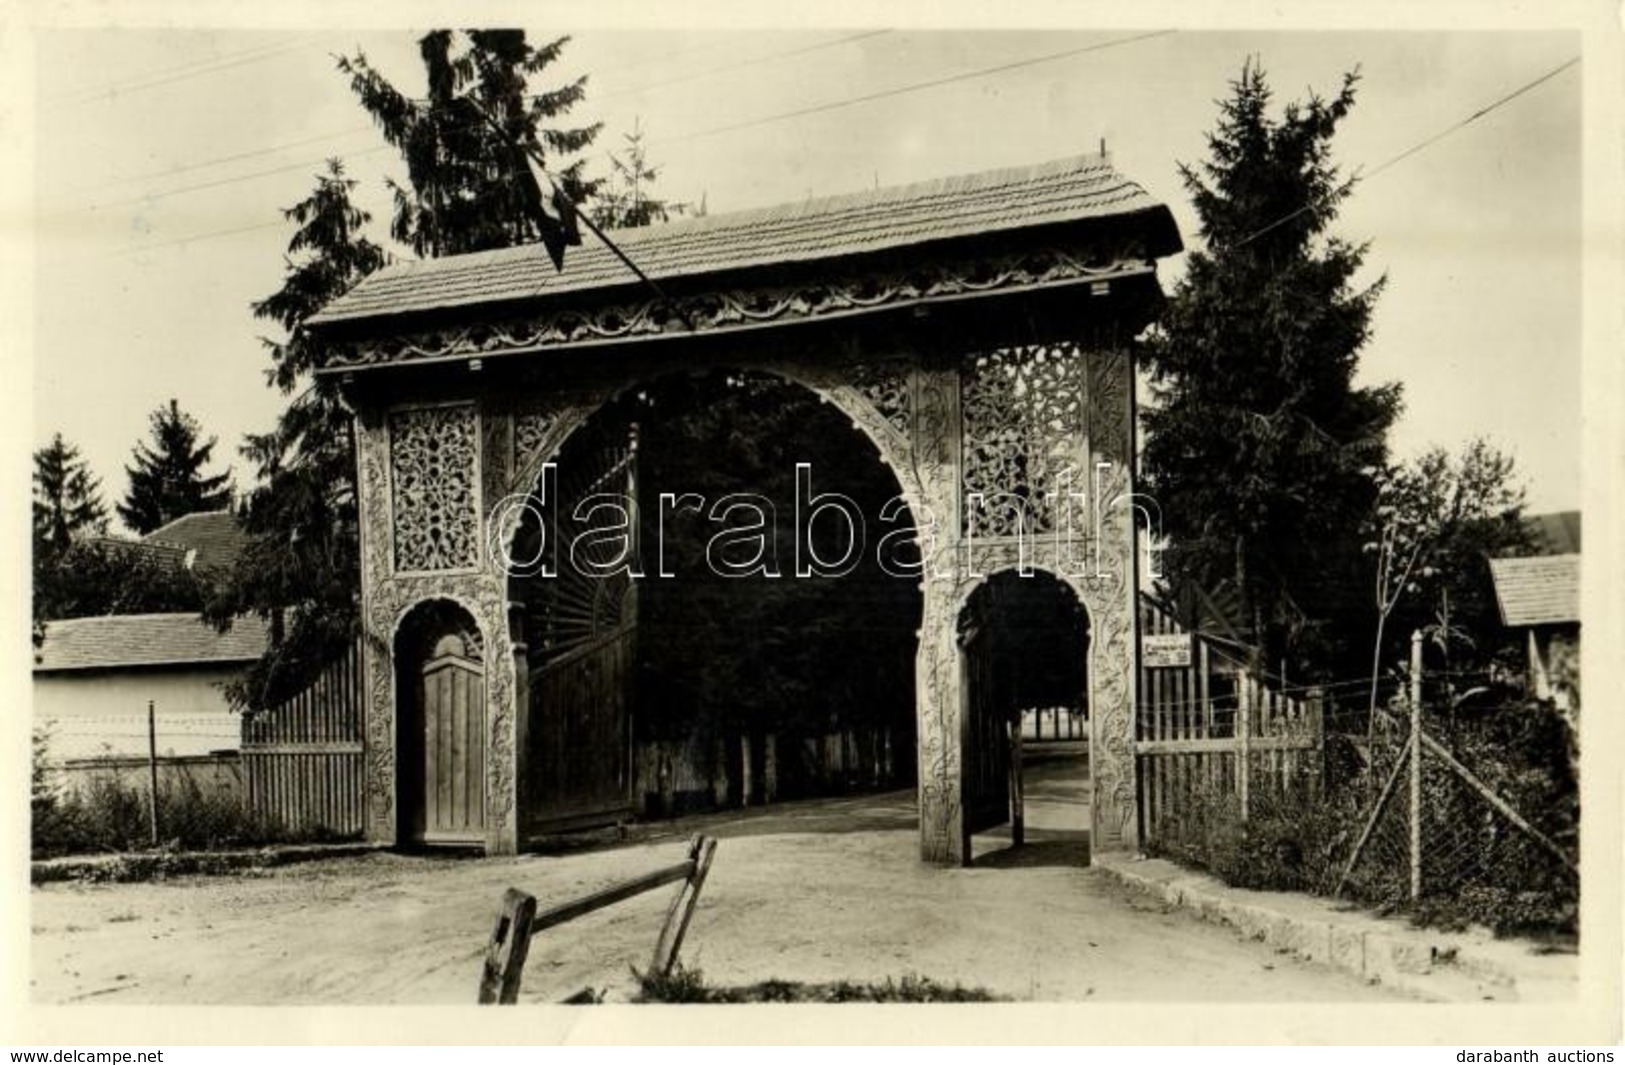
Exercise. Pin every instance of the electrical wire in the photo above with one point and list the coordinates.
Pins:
(1426, 142)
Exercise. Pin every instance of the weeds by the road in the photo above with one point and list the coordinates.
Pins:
(686, 985)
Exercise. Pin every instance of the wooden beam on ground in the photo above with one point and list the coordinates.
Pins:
(610, 896)
(510, 943)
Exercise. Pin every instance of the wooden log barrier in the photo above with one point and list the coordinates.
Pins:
(518, 920)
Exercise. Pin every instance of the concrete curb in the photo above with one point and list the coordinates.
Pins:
(1438, 966)
(156, 865)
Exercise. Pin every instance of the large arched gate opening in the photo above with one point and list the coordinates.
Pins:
(716, 582)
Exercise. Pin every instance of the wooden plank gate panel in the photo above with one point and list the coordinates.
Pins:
(985, 802)
(302, 759)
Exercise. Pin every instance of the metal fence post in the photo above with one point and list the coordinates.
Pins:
(1416, 765)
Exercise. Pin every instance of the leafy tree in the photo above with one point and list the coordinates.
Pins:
(1437, 519)
(301, 569)
(472, 186)
(167, 480)
(627, 202)
(67, 498)
(1260, 451)
(100, 577)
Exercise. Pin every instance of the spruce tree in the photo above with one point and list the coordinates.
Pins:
(301, 569)
(471, 186)
(67, 498)
(167, 479)
(1260, 450)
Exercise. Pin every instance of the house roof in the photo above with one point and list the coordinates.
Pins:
(145, 640)
(1556, 534)
(1543, 590)
(215, 536)
(1080, 189)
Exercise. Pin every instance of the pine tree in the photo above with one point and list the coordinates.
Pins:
(1260, 451)
(167, 480)
(465, 146)
(301, 569)
(67, 498)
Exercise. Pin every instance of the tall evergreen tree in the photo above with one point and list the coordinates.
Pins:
(67, 498)
(472, 186)
(301, 569)
(167, 480)
(1260, 451)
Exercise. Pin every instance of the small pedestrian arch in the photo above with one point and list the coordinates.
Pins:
(439, 659)
(1024, 645)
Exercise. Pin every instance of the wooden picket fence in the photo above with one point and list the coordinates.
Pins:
(1211, 738)
(302, 759)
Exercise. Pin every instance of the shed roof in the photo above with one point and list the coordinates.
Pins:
(146, 640)
(1557, 533)
(1080, 189)
(1543, 590)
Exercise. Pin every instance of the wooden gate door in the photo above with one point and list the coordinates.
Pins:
(451, 699)
(582, 689)
(985, 738)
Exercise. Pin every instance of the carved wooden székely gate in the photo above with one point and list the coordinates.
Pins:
(977, 330)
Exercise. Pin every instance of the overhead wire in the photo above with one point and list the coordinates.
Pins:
(784, 116)
(213, 66)
(1419, 146)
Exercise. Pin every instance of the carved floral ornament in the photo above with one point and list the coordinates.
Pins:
(731, 309)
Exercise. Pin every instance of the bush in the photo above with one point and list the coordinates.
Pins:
(108, 815)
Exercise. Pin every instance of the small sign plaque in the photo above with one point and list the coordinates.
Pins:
(1167, 650)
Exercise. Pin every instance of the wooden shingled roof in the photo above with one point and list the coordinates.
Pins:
(128, 641)
(1084, 189)
(1543, 590)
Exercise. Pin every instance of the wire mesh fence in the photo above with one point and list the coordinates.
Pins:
(1477, 823)
(1474, 819)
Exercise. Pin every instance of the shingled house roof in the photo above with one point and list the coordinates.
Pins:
(146, 640)
(215, 536)
(1544, 590)
(1069, 191)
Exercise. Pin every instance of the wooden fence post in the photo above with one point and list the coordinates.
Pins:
(700, 852)
(152, 770)
(1244, 738)
(1416, 765)
(510, 943)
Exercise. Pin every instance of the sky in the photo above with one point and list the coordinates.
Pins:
(162, 159)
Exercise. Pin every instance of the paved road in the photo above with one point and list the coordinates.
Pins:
(805, 891)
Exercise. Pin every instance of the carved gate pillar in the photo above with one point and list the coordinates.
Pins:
(426, 480)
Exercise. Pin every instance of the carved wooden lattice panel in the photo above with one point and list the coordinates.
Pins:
(886, 387)
(530, 431)
(1022, 426)
(434, 479)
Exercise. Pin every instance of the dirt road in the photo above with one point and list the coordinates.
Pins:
(808, 891)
